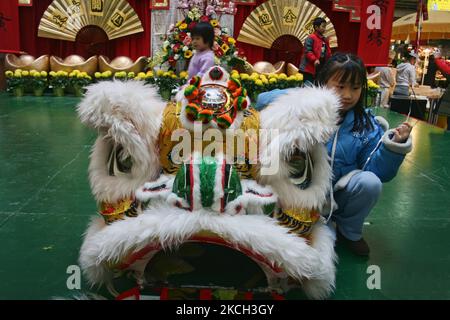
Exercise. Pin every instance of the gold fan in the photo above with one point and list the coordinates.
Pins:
(63, 19)
(275, 18)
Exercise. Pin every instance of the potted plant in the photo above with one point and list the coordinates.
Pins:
(59, 81)
(78, 81)
(16, 82)
(167, 81)
(38, 82)
(372, 92)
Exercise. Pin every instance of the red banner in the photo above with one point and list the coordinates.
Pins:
(9, 26)
(375, 31)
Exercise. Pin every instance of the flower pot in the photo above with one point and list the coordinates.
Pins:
(166, 94)
(38, 92)
(58, 92)
(18, 92)
(78, 91)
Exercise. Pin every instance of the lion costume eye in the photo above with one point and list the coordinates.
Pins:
(116, 164)
(301, 171)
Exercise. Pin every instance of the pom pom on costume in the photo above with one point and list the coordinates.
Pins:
(191, 92)
(240, 103)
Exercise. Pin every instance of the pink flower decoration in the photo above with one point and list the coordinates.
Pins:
(187, 41)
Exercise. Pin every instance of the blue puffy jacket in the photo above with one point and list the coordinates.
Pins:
(353, 149)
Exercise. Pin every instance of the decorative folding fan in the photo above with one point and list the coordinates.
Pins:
(275, 18)
(63, 19)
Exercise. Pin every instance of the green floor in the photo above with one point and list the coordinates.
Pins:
(45, 205)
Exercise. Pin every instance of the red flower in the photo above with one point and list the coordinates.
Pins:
(219, 52)
(204, 19)
(192, 25)
(176, 48)
(172, 61)
(182, 35)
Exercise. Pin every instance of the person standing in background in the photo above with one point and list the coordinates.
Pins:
(442, 64)
(386, 82)
(317, 51)
(406, 75)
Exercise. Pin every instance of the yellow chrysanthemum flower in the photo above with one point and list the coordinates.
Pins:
(183, 75)
(9, 73)
(299, 77)
(224, 48)
(159, 73)
(53, 73)
(25, 73)
(97, 75)
(245, 76)
(44, 73)
(214, 22)
(183, 26)
(231, 41)
(273, 80)
(188, 54)
(141, 75)
(282, 76)
(258, 82)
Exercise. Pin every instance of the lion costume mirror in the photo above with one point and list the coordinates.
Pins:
(208, 168)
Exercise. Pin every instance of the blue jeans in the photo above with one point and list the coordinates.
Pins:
(355, 203)
(401, 91)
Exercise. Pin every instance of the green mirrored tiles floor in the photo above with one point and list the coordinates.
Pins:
(46, 204)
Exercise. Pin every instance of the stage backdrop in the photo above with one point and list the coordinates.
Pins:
(347, 32)
(132, 46)
(9, 26)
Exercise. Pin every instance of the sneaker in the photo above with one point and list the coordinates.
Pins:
(359, 247)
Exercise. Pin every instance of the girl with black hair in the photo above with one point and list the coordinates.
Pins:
(202, 41)
(363, 152)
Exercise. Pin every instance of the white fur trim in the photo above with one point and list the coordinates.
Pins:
(144, 194)
(401, 148)
(218, 188)
(172, 226)
(196, 194)
(304, 118)
(129, 114)
(382, 122)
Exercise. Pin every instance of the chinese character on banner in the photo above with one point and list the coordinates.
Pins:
(160, 4)
(265, 20)
(96, 7)
(289, 16)
(375, 31)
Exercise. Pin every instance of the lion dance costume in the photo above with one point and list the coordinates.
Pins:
(154, 195)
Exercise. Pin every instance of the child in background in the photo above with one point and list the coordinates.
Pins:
(363, 154)
(202, 40)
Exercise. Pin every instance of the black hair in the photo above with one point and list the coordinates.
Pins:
(350, 68)
(204, 30)
(318, 21)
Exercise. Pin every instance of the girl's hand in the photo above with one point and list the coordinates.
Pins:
(402, 132)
